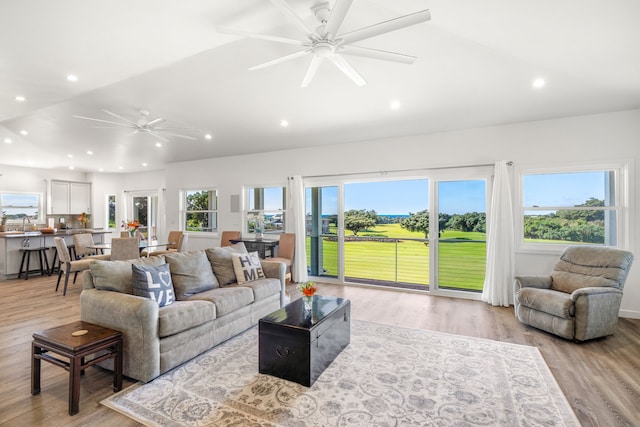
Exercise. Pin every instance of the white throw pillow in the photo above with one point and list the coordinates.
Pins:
(247, 267)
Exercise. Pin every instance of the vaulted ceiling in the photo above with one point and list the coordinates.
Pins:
(476, 65)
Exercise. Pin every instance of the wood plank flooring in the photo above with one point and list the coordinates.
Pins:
(600, 378)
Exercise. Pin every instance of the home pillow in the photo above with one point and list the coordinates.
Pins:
(191, 273)
(221, 263)
(247, 267)
(116, 275)
(153, 283)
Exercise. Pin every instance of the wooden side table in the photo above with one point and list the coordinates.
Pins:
(72, 342)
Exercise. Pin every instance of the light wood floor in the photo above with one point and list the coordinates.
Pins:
(600, 378)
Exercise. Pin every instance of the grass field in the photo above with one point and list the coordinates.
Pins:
(461, 258)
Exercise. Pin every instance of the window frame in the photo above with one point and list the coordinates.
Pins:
(248, 212)
(620, 207)
(39, 219)
(184, 212)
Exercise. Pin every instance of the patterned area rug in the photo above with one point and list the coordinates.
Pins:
(387, 376)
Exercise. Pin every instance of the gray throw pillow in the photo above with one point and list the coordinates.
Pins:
(153, 283)
(247, 267)
(221, 263)
(191, 273)
(116, 275)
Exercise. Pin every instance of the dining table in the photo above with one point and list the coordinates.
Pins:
(142, 244)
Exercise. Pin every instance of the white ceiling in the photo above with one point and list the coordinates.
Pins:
(476, 62)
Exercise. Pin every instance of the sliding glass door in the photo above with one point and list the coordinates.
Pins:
(322, 231)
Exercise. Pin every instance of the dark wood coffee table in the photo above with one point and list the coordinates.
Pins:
(298, 345)
(102, 343)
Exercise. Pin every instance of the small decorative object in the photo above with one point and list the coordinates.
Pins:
(131, 227)
(3, 221)
(79, 333)
(84, 219)
(258, 223)
(308, 290)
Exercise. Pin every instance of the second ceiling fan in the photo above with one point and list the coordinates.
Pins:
(326, 41)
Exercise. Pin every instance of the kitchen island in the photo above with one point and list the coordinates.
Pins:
(12, 241)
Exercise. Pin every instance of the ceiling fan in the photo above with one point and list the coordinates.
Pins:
(326, 41)
(143, 124)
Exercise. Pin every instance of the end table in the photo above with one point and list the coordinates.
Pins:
(76, 341)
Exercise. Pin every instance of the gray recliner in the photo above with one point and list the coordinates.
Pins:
(580, 299)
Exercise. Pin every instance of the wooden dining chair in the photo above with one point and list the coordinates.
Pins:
(228, 236)
(125, 248)
(67, 265)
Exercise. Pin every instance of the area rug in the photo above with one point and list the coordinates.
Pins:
(387, 376)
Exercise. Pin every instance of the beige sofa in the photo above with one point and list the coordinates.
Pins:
(205, 312)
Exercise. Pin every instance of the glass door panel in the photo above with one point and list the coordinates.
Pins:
(462, 244)
(322, 231)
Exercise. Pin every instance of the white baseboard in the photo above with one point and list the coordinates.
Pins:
(630, 314)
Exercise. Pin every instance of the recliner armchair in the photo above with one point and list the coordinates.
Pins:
(580, 299)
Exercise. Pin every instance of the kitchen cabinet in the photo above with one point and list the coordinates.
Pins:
(70, 198)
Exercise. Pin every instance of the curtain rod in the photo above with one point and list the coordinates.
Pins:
(509, 163)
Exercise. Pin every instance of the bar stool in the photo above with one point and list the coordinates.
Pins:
(26, 256)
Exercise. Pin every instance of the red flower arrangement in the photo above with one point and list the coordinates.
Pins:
(308, 289)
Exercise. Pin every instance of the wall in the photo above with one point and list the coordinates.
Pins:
(612, 136)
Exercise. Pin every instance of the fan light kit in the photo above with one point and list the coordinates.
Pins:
(326, 41)
(143, 124)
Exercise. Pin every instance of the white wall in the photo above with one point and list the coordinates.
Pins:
(612, 136)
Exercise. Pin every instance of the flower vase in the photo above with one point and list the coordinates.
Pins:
(132, 233)
(308, 303)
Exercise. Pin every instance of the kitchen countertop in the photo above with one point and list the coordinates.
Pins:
(12, 234)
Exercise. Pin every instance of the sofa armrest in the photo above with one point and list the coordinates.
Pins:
(540, 282)
(596, 311)
(276, 270)
(137, 319)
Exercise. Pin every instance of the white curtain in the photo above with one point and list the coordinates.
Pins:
(295, 223)
(498, 282)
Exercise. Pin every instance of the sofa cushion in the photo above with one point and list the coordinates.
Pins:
(221, 263)
(247, 267)
(191, 273)
(261, 288)
(183, 315)
(153, 282)
(556, 303)
(227, 299)
(116, 275)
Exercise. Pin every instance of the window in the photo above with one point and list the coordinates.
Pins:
(265, 212)
(201, 210)
(571, 207)
(111, 211)
(17, 206)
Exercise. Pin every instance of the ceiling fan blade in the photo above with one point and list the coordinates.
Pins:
(154, 121)
(119, 117)
(311, 71)
(385, 27)
(103, 121)
(287, 10)
(338, 13)
(348, 69)
(281, 59)
(261, 36)
(377, 54)
(161, 138)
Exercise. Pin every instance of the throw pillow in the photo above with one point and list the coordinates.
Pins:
(153, 283)
(191, 273)
(220, 259)
(116, 275)
(247, 267)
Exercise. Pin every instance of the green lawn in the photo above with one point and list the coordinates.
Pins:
(462, 258)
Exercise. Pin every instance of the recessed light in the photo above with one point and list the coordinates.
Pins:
(8, 141)
(394, 105)
(24, 132)
(145, 165)
(72, 77)
(208, 136)
(284, 123)
(72, 167)
(120, 167)
(101, 170)
(90, 153)
(20, 98)
(158, 144)
(538, 83)
(70, 156)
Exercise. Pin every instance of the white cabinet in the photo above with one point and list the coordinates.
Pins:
(70, 197)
